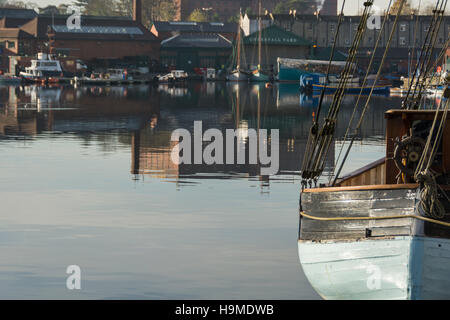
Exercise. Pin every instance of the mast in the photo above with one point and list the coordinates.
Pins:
(260, 34)
(239, 41)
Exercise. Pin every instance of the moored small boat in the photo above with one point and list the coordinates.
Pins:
(238, 75)
(42, 68)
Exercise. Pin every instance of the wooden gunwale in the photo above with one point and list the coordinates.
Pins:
(364, 188)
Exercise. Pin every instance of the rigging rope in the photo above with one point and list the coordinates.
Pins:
(319, 144)
(427, 67)
(429, 201)
(423, 63)
(356, 131)
(380, 36)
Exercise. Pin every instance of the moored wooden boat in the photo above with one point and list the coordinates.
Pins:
(374, 235)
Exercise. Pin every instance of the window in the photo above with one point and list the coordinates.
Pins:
(426, 28)
(332, 27)
(403, 27)
(11, 44)
(310, 26)
(402, 41)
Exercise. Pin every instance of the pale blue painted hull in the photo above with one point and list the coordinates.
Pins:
(397, 268)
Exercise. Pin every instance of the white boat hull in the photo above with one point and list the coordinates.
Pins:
(238, 76)
(403, 267)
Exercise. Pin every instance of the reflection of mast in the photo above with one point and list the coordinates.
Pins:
(135, 152)
(258, 126)
(237, 109)
(259, 36)
(239, 41)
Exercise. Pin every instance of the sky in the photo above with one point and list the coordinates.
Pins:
(350, 4)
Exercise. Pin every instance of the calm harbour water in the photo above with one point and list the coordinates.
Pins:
(86, 179)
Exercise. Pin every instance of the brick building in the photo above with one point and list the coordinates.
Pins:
(196, 50)
(321, 30)
(167, 29)
(98, 37)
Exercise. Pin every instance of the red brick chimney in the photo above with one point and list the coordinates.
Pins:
(137, 11)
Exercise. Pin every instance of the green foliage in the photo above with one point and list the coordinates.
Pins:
(152, 10)
(61, 9)
(101, 8)
(215, 18)
(18, 4)
(234, 19)
(198, 16)
(407, 9)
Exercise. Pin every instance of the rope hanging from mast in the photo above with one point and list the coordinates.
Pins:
(319, 142)
(380, 36)
(423, 65)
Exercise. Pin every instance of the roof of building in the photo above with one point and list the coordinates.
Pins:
(14, 33)
(195, 40)
(12, 22)
(187, 26)
(95, 28)
(274, 35)
(17, 13)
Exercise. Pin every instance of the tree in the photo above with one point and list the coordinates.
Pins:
(49, 10)
(234, 19)
(163, 10)
(152, 10)
(19, 4)
(428, 10)
(125, 7)
(215, 17)
(101, 8)
(407, 9)
(301, 6)
(198, 16)
(82, 4)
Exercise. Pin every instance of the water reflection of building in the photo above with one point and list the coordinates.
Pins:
(151, 147)
(230, 106)
(151, 154)
(144, 117)
(31, 110)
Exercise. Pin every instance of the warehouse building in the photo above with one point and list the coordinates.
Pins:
(196, 50)
(275, 42)
(97, 37)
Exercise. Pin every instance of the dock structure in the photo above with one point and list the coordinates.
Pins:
(77, 81)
